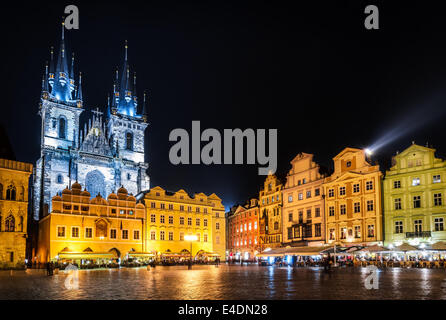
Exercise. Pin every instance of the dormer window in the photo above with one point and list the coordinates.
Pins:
(349, 164)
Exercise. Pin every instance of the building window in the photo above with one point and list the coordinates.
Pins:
(290, 199)
(331, 234)
(436, 178)
(415, 181)
(343, 233)
(439, 224)
(205, 222)
(331, 193)
(59, 179)
(370, 230)
(181, 236)
(170, 219)
(121, 211)
(255, 225)
(62, 128)
(181, 220)
(317, 212)
(129, 141)
(342, 191)
(290, 217)
(162, 219)
(309, 194)
(349, 164)
(170, 206)
(197, 210)
(217, 226)
(417, 201)
(153, 218)
(197, 222)
(189, 221)
(112, 233)
(181, 208)
(398, 204)
(125, 234)
(343, 209)
(398, 226)
(317, 192)
(331, 211)
(88, 232)
(11, 193)
(317, 230)
(198, 237)
(189, 209)
(357, 232)
(369, 205)
(10, 224)
(170, 236)
(369, 185)
(356, 188)
(136, 234)
(205, 238)
(397, 184)
(152, 235)
(61, 232)
(161, 235)
(163, 206)
(301, 196)
(101, 229)
(418, 224)
(357, 207)
(75, 232)
(437, 199)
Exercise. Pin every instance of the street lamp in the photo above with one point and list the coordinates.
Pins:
(190, 238)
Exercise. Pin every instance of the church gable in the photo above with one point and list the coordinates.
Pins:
(96, 141)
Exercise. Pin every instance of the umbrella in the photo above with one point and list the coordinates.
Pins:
(405, 247)
(439, 246)
(374, 249)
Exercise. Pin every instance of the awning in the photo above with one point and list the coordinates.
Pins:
(293, 251)
(141, 254)
(86, 255)
(208, 254)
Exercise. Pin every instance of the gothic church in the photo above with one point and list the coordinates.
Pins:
(107, 153)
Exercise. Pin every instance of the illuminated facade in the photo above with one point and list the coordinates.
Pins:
(14, 181)
(243, 231)
(414, 191)
(303, 203)
(104, 154)
(173, 216)
(353, 209)
(80, 228)
(270, 219)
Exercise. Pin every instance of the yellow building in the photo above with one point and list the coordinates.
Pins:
(353, 210)
(14, 181)
(303, 203)
(171, 217)
(81, 229)
(414, 191)
(270, 220)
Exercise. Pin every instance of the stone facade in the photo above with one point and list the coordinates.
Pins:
(270, 221)
(14, 182)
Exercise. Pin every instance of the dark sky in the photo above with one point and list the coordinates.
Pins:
(311, 71)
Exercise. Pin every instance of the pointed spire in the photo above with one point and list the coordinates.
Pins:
(45, 85)
(144, 107)
(126, 47)
(79, 91)
(72, 66)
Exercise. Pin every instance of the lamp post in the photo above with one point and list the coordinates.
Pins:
(190, 238)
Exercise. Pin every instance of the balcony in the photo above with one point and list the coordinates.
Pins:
(420, 234)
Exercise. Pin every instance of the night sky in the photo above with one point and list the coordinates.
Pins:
(313, 72)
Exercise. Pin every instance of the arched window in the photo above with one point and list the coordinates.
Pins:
(59, 178)
(1, 191)
(276, 225)
(21, 224)
(10, 224)
(129, 141)
(101, 229)
(62, 128)
(11, 193)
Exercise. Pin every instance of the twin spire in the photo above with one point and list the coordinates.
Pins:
(59, 84)
(60, 78)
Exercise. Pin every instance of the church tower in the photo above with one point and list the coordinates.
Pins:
(126, 128)
(60, 109)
